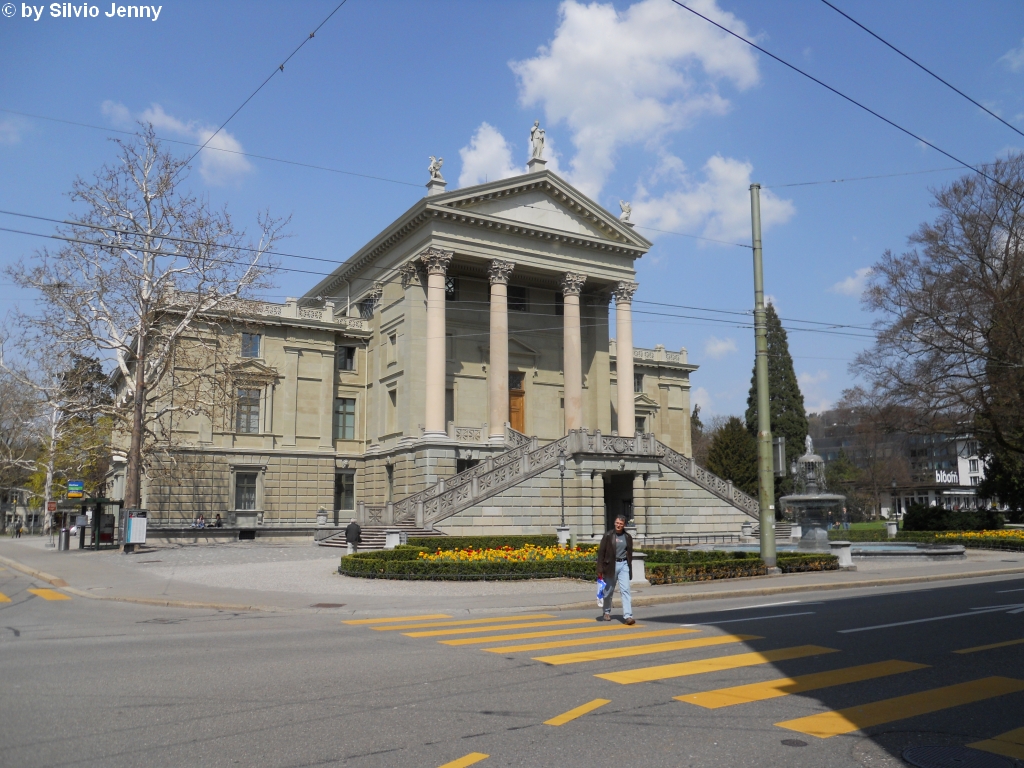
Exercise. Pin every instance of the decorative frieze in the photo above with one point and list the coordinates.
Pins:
(499, 271)
(572, 283)
(436, 260)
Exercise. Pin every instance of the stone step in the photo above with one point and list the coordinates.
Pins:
(782, 530)
(374, 536)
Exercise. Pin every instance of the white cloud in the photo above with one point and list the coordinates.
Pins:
(701, 397)
(617, 79)
(853, 285)
(812, 388)
(11, 129)
(1014, 58)
(219, 163)
(717, 348)
(717, 206)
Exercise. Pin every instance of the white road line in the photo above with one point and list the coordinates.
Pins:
(754, 607)
(972, 612)
(751, 618)
(1004, 591)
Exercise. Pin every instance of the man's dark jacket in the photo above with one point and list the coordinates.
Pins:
(606, 556)
(353, 535)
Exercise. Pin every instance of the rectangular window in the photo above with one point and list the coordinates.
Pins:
(345, 490)
(518, 299)
(389, 476)
(974, 479)
(345, 418)
(559, 303)
(391, 420)
(248, 412)
(451, 289)
(250, 345)
(515, 380)
(974, 465)
(346, 358)
(245, 490)
(641, 425)
(449, 405)
(638, 382)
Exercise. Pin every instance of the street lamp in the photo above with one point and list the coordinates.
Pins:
(561, 474)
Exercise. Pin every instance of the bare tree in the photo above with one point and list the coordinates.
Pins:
(19, 448)
(138, 266)
(951, 345)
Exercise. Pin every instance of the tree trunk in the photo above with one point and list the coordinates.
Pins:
(50, 461)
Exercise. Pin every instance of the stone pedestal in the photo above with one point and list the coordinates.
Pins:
(891, 527)
(321, 517)
(842, 550)
(639, 572)
(562, 532)
(747, 530)
(795, 532)
(392, 538)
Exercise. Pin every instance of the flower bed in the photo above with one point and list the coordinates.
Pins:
(504, 563)
(434, 543)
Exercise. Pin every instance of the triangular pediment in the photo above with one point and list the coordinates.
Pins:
(253, 369)
(545, 201)
(643, 400)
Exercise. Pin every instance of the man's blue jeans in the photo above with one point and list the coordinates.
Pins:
(622, 579)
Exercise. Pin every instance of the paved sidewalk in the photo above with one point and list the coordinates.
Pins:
(298, 576)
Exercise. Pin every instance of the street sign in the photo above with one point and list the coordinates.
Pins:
(51, 506)
(76, 489)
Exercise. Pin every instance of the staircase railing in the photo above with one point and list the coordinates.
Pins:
(451, 495)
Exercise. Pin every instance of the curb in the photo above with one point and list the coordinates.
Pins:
(41, 575)
(782, 590)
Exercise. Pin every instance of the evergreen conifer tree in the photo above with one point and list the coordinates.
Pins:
(733, 456)
(788, 417)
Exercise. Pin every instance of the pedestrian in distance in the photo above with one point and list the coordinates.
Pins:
(217, 522)
(615, 566)
(353, 535)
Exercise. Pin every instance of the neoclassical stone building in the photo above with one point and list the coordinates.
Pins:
(443, 376)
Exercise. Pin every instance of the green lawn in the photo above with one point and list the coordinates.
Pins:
(874, 525)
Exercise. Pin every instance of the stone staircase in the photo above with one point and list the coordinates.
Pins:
(782, 530)
(373, 536)
(452, 495)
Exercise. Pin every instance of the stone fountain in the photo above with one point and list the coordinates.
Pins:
(809, 507)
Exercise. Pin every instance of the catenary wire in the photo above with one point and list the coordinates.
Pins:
(279, 68)
(850, 99)
(921, 66)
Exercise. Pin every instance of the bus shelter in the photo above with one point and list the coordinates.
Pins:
(104, 524)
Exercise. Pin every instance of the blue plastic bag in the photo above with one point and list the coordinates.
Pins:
(602, 589)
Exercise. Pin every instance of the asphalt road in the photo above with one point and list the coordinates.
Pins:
(93, 683)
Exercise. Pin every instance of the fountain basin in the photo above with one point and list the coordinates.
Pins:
(862, 550)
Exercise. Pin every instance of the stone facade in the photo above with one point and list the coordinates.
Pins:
(378, 386)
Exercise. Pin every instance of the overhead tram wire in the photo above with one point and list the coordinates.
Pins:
(279, 68)
(850, 99)
(922, 67)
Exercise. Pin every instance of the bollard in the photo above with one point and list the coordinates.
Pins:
(562, 532)
(796, 532)
(891, 526)
(392, 538)
(639, 572)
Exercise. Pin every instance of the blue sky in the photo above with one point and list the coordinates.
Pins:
(641, 101)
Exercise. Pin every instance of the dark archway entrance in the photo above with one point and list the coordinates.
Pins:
(618, 497)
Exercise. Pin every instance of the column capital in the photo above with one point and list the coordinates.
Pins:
(572, 283)
(499, 271)
(436, 260)
(373, 297)
(409, 272)
(624, 292)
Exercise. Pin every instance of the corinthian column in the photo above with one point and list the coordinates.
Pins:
(572, 350)
(624, 357)
(497, 374)
(436, 262)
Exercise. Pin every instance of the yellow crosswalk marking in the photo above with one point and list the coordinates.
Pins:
(579, 711)
(462, 762)
(1009, 744)
(642, 650)
(464, 622)
(427, 617)
(49, 594)
(495, 628)
(990, 646)
(771, 689)
(715, 664)
(618, 638)
(4, 598)
(545, 633)
(828, 724)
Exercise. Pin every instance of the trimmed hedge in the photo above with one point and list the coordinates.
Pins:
(921, 518)
(447, 543)
(367, 566)
(700, 565)
(695, 556)
(801, 562)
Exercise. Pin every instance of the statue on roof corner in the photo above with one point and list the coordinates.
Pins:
(537, 141)
(627, 210)
(435, 168)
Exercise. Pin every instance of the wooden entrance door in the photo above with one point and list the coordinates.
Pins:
(516, 402)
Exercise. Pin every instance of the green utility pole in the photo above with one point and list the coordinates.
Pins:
(765, 471)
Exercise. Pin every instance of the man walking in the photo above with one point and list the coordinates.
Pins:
(615, 565)
(353, 536)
